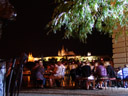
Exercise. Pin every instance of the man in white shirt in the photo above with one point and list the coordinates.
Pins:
(60, 72)
(119, 77)
(119, 74)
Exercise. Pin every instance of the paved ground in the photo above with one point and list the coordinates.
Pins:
(75, 92)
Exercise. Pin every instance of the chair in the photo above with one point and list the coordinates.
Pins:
(103, 80)
(59, 81)
(88, 82)
(78, 81)
(110, 81)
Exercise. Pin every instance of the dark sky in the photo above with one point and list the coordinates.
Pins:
(28, 33)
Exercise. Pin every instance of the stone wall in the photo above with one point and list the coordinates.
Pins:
(120, 47)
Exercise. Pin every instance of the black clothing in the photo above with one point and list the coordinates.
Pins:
(78, 71)
(86, 71)
(110, 72)
(73, 74)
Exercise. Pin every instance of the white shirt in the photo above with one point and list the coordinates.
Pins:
(119, 74)
(60, 70)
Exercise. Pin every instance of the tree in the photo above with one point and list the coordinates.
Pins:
(79, 17)
(7, 13)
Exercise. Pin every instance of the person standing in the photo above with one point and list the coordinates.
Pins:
(125, 75)
(40, 75)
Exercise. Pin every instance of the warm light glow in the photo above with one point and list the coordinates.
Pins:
(47, 58)
(89, 54)
(58, 58)
(59, 53)
(36, 59)
(55, 57)
(30, 58)
(90, 58)
(64, 52)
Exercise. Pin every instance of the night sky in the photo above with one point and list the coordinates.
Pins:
(28, 34)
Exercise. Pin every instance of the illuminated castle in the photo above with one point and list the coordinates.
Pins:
(62, 52)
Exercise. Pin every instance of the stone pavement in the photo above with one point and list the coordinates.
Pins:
(75, 92)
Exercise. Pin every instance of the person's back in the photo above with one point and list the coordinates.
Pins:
(125, 75)
(63, 69)
(78, 71)
(73, 74)
(125, 72)
(101, 74)
(60, 71)
(119, 73)
(110, 72)
(101, 71)
(86, 71)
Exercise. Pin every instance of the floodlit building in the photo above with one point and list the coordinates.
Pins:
(64, 52)
(120, 46)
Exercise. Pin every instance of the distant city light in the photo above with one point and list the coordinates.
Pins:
(89, 54)
(15, 14)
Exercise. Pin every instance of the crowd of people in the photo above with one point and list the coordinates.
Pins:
(53, 73)
(83, 74)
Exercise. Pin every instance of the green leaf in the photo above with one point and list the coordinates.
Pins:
(79, 17)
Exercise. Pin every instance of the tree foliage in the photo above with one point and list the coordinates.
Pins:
(79, 17)
(6, 10)
(7, 13)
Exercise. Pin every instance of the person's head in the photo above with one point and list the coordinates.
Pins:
(88, 63)
(73, 67)
(80, 62)
(96, 64)
(101, 63)
(40, 63)
(119, 68)
(52, 66)
(107, 63)
(126, 65)
(59, 63)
